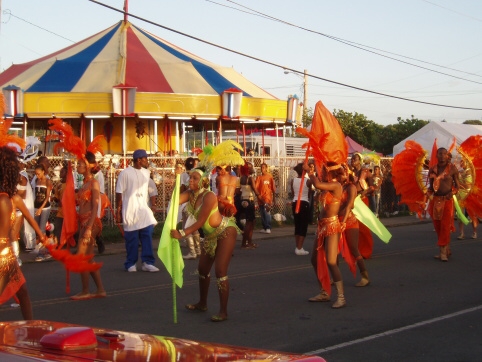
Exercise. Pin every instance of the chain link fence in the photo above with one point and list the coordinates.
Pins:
(162, 172)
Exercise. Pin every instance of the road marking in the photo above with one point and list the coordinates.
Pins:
(393, 331)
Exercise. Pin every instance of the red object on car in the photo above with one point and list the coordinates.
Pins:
(54, 341)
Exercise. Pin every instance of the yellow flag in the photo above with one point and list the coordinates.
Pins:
(169, 250)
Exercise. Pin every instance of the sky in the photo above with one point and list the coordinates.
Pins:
(396, 48)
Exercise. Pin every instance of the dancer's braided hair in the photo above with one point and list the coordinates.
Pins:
(9, 176)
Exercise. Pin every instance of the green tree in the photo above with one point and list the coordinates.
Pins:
(370, 134)
(358, 127)
(473, 121)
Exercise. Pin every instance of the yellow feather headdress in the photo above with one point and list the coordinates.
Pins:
(224, 154)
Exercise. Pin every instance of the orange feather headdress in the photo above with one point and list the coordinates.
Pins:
(6, 138)
(70, 142)
(326, 141)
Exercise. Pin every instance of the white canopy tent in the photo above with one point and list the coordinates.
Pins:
(444, 133)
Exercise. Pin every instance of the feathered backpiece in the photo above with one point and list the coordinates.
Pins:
(68, 140)
(3, 105)
(326, 141)
(470, 196)
(408, 176)
(6, 138)
(205, 158)
(371, 158)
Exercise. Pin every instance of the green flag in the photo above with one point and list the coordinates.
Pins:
(169, 251)
(368, 218)
(459, 212)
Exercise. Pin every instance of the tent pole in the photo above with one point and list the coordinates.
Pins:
(124, 136)
(244, 140)
(156, 146)
(277, 138)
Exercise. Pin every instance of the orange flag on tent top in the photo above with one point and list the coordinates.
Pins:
(433, 156)
(452, 146)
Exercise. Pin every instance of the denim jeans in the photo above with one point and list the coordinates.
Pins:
(132, 239)
(42, 219)
(265, 217)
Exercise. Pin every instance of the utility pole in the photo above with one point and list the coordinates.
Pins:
(305, 95)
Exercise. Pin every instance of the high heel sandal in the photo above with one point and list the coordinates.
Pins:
(196, 307)
(218, 318)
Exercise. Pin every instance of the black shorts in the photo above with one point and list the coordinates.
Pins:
(247, 208)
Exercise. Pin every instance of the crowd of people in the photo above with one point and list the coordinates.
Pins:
(215, 207)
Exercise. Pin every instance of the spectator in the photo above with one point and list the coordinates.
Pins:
(302, 216)
(42, 191)
(132, 210)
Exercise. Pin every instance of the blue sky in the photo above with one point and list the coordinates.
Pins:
(443, 34)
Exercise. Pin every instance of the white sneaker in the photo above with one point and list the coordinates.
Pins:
(301, 251)
(189, 256)
(268, 231)
(149, 268)
(132, 269)
(263, 231)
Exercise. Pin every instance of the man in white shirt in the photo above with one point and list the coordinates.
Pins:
(132, 190)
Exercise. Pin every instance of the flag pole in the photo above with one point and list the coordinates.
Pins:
(173, 278)
(298, 202)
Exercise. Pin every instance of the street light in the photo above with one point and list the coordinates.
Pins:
(305, 87)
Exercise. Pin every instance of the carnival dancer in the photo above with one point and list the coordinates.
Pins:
(328, 146)
(351, 229)
(408, 179)
(219, 231)
(444, 183)
(87, 199)
(328, 232)
(12, 281)
(247, 190)
(226, 186)
(90, 226)
(364, 186)
(193, 240)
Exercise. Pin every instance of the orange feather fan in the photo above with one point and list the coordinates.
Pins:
(95, 146)
(68, 140)
(471, 151)
(6, 138)
(407, 176)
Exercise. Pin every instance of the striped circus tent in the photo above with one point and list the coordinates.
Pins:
(125, 71)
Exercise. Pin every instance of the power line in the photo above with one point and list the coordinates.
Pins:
(279, 65)
(360, 46)
(8, 12)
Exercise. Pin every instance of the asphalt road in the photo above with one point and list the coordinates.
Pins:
(416, 308)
